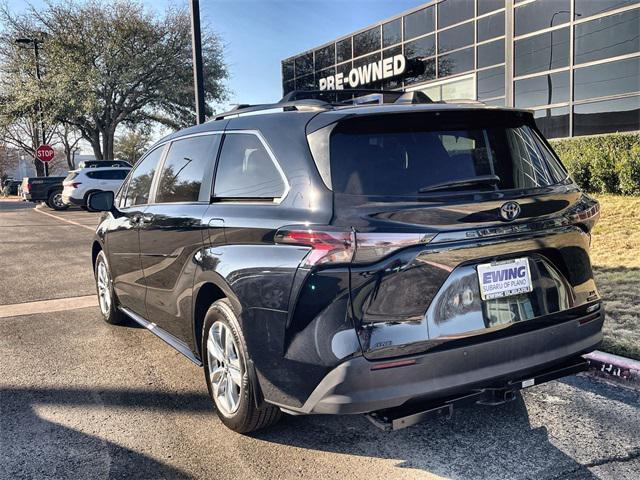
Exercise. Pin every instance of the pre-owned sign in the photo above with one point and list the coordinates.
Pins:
(371, 72)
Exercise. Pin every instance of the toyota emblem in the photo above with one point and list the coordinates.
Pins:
(510, 211)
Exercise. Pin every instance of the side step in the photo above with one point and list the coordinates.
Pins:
(408, 415)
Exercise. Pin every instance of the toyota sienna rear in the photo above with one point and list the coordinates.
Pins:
(393, 260)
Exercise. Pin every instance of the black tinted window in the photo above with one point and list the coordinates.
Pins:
(456, 62)
(542, 90)
(325, 57)
(456, 37)
(486, 6)
(245, 169)
(553, 122)
(619, 115)
(541, 14)
(607, 37)
(140, 182)
(542, 52)
(418, 23)
(454, 11)
(184, 168)
(108, 174)
(585, 8)
(491, 26)
(491, 83)
(402, 156)
(491, 53)
(391, 33)
(343, 50)
(304, 64)
(366, 42)
(607, 79)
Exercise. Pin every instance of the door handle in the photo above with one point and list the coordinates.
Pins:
(144, 219)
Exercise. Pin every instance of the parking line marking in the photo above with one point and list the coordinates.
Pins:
(65, 220)
(47, 306)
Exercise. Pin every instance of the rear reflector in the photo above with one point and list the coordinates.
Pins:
(397, 363)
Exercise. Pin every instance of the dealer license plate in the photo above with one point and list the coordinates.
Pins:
(504, 279)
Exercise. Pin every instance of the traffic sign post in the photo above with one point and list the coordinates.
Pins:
(45, 153)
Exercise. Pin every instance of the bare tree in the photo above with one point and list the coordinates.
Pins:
(111, 62)
(69, 137)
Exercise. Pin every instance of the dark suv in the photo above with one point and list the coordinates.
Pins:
(320, 257)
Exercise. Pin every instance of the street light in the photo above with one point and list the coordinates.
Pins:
(551, 55)
(196, 46)
(35, 42)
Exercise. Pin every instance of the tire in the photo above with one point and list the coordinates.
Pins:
(107, 300)
(228, 369)
(54, 201)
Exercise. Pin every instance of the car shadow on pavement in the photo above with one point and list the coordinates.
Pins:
(478, 442)
(497, 441)
(35, 447)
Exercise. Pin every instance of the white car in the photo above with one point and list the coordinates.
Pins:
(81, 182)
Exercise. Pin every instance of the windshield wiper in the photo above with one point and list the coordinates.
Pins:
(462, 182)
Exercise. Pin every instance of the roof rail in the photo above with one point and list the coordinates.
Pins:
(306, 105)
(318, 100)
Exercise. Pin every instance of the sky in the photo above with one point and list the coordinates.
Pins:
(258, 34)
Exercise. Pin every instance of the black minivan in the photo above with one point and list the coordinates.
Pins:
(392, 259)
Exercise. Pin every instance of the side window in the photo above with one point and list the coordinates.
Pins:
(119, 174)
(140, 182)
(246, 170)
(184, 169)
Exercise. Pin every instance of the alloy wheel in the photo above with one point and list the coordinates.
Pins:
(57, 200)
(225, 369)
(104, 288)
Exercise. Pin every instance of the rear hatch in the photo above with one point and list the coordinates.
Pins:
(465, 223)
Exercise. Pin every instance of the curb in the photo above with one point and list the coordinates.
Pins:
(621, 369)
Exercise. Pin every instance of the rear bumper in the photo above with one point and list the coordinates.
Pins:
(69, 200)
(353, 387)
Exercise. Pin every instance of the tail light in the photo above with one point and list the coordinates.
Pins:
(586, 213)
(342, 246)
(327, 246)
(75, 184)
(28, 187)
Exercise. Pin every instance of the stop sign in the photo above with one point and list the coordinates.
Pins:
(45, 153)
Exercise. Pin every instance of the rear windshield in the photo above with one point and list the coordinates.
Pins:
(71, 176)
(417, 154)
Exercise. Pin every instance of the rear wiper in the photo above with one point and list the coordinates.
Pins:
(462, 182)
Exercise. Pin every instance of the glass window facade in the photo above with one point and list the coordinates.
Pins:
(541, 14)
(490, 27)
(575, 62)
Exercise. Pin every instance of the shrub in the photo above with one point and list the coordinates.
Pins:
(603, 164)
(629, 172)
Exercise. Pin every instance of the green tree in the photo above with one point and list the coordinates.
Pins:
(112, 63)
(131, 145)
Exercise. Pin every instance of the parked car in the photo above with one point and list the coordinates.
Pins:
(81, 182)
(44, 189)
(394, 260)
(103, 163)
(11, 186)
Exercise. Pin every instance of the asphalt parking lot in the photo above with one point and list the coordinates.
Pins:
(82, 399)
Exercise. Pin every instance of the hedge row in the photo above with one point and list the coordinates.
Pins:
(603, 164)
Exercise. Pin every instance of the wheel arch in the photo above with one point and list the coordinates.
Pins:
(96, 248)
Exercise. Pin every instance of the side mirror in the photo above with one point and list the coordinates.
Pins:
(100, 202)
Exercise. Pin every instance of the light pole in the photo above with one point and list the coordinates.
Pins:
(35, 42)
(196, 46)
(551, 56)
